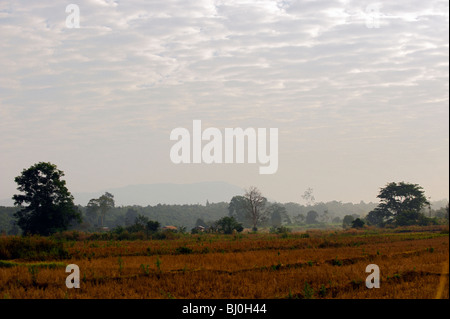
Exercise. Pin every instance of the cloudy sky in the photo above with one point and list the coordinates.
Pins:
(357, 89)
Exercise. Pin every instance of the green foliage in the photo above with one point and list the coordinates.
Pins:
(184, 250)
(142, 228)
(45, 265)
(358, 223)
(308, 291)
(120, 262)
(280, 230)
(276, 267)
(7, 264)
(165, 235)
(237, 208)
(311, 217)
(46, 204)
(336, 262)
(31, 248)
(290, 295)
(145, 269)
(322, 291)
(33, 270)
(158, 264)
(278, 215)
(120, 218)
(347, 221)
(228, 224)
(98, 207)
(404, 202)
(378, 217)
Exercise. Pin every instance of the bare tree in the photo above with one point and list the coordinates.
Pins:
(255, 206)
(309, 197)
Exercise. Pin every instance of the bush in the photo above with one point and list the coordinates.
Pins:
(308, 291)
(70, 235)
(31, 248)
(279, 230)
(166, 234)
(357, 223)
(228, 224)
(183, 250)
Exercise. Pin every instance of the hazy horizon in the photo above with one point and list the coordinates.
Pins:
(357, 90)
(188, 194)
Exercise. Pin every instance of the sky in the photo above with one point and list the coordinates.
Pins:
(357, 89)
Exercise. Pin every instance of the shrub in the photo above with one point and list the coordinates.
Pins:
(183, 250)
(166, 234)
(72, 235)
(228, 224)
(32, 248)
(308, 291)
(145, 269)
(328, 244)
(7, 264)
(337, 262)
(322, 291)
(279, 230)
(358, 223)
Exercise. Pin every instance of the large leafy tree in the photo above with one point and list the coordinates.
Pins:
(278, 215)
(237, 208)
(92, 211)
(401, 202)
(105, 202)
(100, 206)
(46, 203)
(311, 217)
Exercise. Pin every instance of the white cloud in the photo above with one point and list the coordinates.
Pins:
(136, 69)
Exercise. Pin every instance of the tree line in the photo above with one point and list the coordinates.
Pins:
(45, 206)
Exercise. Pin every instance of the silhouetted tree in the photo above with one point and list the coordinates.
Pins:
(404, 202)
(101, 205)
(238, 208)
(278, 215)
(311, 217)
(130, 216)
(347, 221)
(46, 203)
(358, 223)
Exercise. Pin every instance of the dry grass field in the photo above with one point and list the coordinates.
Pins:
(413, 263)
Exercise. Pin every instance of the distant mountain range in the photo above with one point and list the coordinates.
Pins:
(153, 194)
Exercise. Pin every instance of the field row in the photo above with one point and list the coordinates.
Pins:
(412, 265)
(206, 243)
